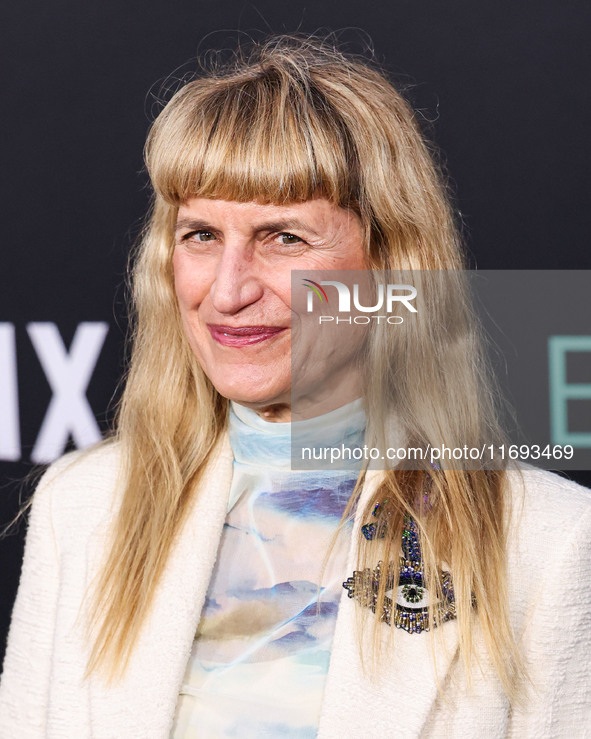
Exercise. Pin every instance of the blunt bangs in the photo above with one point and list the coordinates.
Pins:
(272, 137)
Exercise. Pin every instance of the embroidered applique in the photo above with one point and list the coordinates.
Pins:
(369, 530)
(405, 603)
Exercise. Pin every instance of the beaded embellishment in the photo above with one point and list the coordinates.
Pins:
(405, 604)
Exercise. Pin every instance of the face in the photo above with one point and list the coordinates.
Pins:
(232, 271)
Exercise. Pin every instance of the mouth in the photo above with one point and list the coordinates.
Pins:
(243, 335)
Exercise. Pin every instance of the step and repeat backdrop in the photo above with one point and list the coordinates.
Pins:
(502, 89)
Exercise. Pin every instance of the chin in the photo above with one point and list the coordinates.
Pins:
(257, 400)
(254, 394)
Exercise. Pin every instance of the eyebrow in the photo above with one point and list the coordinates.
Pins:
(190, 223)
(284, 224)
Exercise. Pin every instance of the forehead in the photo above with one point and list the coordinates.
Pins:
(318, 214)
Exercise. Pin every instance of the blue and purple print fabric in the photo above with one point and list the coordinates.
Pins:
(262, 648)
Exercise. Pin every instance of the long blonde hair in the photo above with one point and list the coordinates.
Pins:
(294, 119)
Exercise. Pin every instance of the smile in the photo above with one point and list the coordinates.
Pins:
(243, 335)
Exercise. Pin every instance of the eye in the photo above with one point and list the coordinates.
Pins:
(411, 594)
(287, 239)
(203, 235)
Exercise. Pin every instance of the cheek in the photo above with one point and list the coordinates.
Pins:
(190, 282)
(282, 288)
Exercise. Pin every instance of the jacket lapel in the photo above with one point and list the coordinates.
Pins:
(406, 682)
(143, 703)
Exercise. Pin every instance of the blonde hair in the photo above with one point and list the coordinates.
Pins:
(291, 120)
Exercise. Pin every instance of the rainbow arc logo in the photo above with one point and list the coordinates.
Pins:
(316, 288)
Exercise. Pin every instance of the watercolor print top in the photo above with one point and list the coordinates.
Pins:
(262, 648)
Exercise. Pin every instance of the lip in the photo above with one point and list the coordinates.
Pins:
(243, 335)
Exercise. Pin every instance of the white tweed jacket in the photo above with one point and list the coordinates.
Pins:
(43, 694)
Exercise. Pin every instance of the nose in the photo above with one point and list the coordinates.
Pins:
(236, 282)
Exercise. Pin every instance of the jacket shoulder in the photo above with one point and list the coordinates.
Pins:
(547, 498)
(82, 487)
(550, 525)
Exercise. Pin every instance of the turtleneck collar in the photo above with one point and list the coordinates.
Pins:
(257, 441)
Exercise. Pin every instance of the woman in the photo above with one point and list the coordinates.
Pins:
(176, 579)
